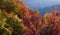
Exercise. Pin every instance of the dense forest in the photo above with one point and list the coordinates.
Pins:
(17, 19)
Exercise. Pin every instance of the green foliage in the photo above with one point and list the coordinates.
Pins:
(9, 22)
(3, 19)
(10, 25)
(4, 31)
(14, 23)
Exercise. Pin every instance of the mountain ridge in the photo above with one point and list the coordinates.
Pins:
(48, 9)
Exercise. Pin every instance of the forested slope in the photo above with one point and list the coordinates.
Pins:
(17, 19)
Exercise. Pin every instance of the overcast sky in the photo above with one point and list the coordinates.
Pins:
(40, 3)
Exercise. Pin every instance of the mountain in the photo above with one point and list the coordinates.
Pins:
(48, 9)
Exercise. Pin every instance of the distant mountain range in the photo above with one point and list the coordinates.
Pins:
(48, 9)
